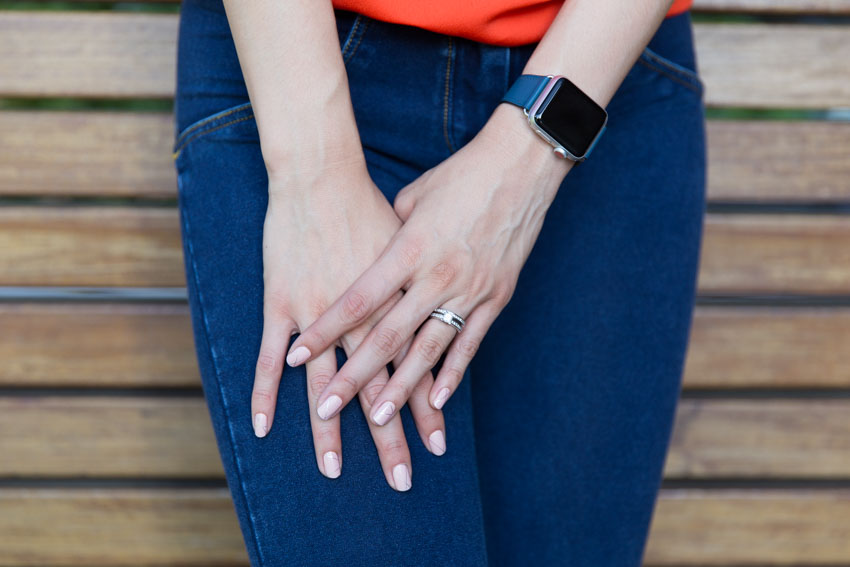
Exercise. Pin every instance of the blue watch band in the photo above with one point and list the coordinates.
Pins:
(525, 90)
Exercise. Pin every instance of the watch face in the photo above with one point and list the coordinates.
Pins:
(571, 117)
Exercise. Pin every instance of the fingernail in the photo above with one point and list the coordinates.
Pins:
(331, 464)
(331, 405)
(441, 398)
(401, 477)
(438, 442)
(260, 425)
(298, 356)
(384, 414)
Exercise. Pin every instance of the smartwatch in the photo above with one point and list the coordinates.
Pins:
(560, 112)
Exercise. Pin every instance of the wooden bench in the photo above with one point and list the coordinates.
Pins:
(107, 456)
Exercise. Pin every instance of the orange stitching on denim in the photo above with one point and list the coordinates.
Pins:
(356, 45)
(211, 118)
(183, 145)
(446, 96)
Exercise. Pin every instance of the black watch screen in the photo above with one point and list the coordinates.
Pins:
(571, 117)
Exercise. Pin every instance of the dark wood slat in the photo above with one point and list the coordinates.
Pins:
(120, 55)
(835, 7)
(128, 154)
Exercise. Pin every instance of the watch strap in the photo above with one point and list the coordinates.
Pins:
(525, 90)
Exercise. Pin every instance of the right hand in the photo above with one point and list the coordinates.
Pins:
(323, 228)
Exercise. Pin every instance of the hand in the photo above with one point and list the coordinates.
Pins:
(322, 229)
(469, 226)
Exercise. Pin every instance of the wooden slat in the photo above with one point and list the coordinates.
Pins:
(99, 527)
(109, 246)
(774, 6)
(124, 55)
(139, 437)
(742, 253)
(119, 527)
(762, 161)
(87, 153)
(107, 436)
(750, 527)
(148, 345)
(97, 345)
(128, 154)
(769, 347)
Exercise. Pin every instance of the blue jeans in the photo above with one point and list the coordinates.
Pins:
(558, 434)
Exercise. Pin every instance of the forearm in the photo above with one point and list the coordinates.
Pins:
(594, 43)
(296, 80)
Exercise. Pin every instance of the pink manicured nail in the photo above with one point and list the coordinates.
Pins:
(331, 405)
(298, 356)
(384, 414)
(261, 425)
(331, 464)
(441, 398)
(401, 477)
(438, 442)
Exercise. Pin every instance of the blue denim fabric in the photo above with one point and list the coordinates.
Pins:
(558, 434)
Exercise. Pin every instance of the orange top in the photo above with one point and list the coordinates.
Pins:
(497, 22)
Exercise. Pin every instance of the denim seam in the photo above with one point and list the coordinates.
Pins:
(350, 36)
(231, 439)
(670, 70)
(210, 118)
(207, 131)
(448, 95)
(356, 45)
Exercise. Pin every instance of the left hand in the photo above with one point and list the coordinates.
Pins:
(469, 225)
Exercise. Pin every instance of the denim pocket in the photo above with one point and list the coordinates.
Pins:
(351, 28)
(677, 72)
(220, 121)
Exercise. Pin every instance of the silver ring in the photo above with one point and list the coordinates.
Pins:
(449, 317)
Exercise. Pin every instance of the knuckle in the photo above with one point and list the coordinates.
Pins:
(350, 384)
(393, 446)
(277, 301)
(454, 375)
(371, 390)
(387, 341)
(429, 350)
(410, 254)
(467, 346)
(355, 306)
(443, 274)
(318, 383)
(325, 436)
(262, 397)
(502, 292)
(267, 364)
(316, 306)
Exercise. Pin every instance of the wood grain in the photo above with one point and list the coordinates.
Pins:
(122, 55)
(97, 345)
(95, 153)
(134, 527)
(139, 246)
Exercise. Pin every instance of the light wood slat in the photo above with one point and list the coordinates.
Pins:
(750, 527)
(769, 347)
(125, 55)
(776, 254)
(94, 54)
(776, 65)
(742, 253)
(87, 153)
(778, 161)
(99, 527)
(109, 246)
(149, 345)
(760, 439)
(104, 345)
(128, 154)
(774, 6)
(107, 436)
(137, 437)
(119, 527)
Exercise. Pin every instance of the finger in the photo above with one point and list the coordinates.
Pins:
(391, 443)
(429, 421)
(326, 433)
(369, 291)
(428, 346)
(378, 348)
(277, 330)
(460, 353)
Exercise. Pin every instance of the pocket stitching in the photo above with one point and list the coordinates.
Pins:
(198, 123)
(182, 144)
(671, 70)
(357, 30)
